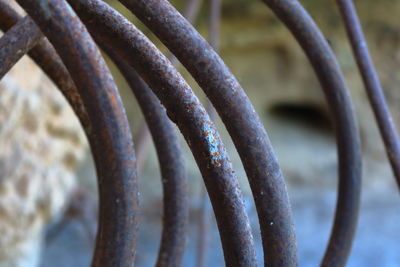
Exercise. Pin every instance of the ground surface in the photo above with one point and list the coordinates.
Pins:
(377, 240)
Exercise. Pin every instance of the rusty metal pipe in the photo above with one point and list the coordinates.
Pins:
(9, 17)
(331, 78)
(174, 182)
(44, 55)
(166, 141)
(183, 108)
(240, 118)
(116, 239)
(190, 12)
(16, 42)
(203, 228)
(167, 144)
(372, 85)
(213, 26)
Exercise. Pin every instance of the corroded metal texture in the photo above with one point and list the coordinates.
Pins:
(76, 66)
(16, 42)
(183, 108)
(348, 144)
(203, 222)
(9, 16)
(170, 157)
(115, 160)
(372, 85)
(48, 60)
(239, 117)
(190, 12)
(174, 182)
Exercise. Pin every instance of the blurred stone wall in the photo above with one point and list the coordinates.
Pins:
(42, 145)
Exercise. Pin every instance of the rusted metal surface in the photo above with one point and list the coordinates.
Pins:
(9, 17)
(115, 158)
(190, 12)
(372, 85)
(183, 108)
(175, 188)
(204, 218)
(213, 26)
(16, 42)
(331, 78)
(174, 182)
(239, 117)
(48, 60)
(88, 86)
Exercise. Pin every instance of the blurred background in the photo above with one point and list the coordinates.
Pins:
(56, 207)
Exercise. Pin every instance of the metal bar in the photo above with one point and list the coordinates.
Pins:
(331, 78)
(372, 85)
(9, 17)
(203, 222)
(174, 182)
(190, 12)
(213, 25)
(183, 108)
(16, 42)
(116, 239)
(48, 60)
(239, 117)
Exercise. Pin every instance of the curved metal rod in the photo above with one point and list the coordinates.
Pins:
(166, 142)
(183, 108)
(175, 188)
(44, 55)
(163, 132)
(16, 42)
(190, 12)
(203, 221)
(372, 85)
(174, 182)
(175, 192)
(142, 143)
(331, 78)
(116, 238)
(240, 118)
(175, 195)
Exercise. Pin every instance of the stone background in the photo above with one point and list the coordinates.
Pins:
(281, 84)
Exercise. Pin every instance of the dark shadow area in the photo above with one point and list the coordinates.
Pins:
(303, 115)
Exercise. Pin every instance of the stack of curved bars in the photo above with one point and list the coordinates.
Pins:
(71, 59)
